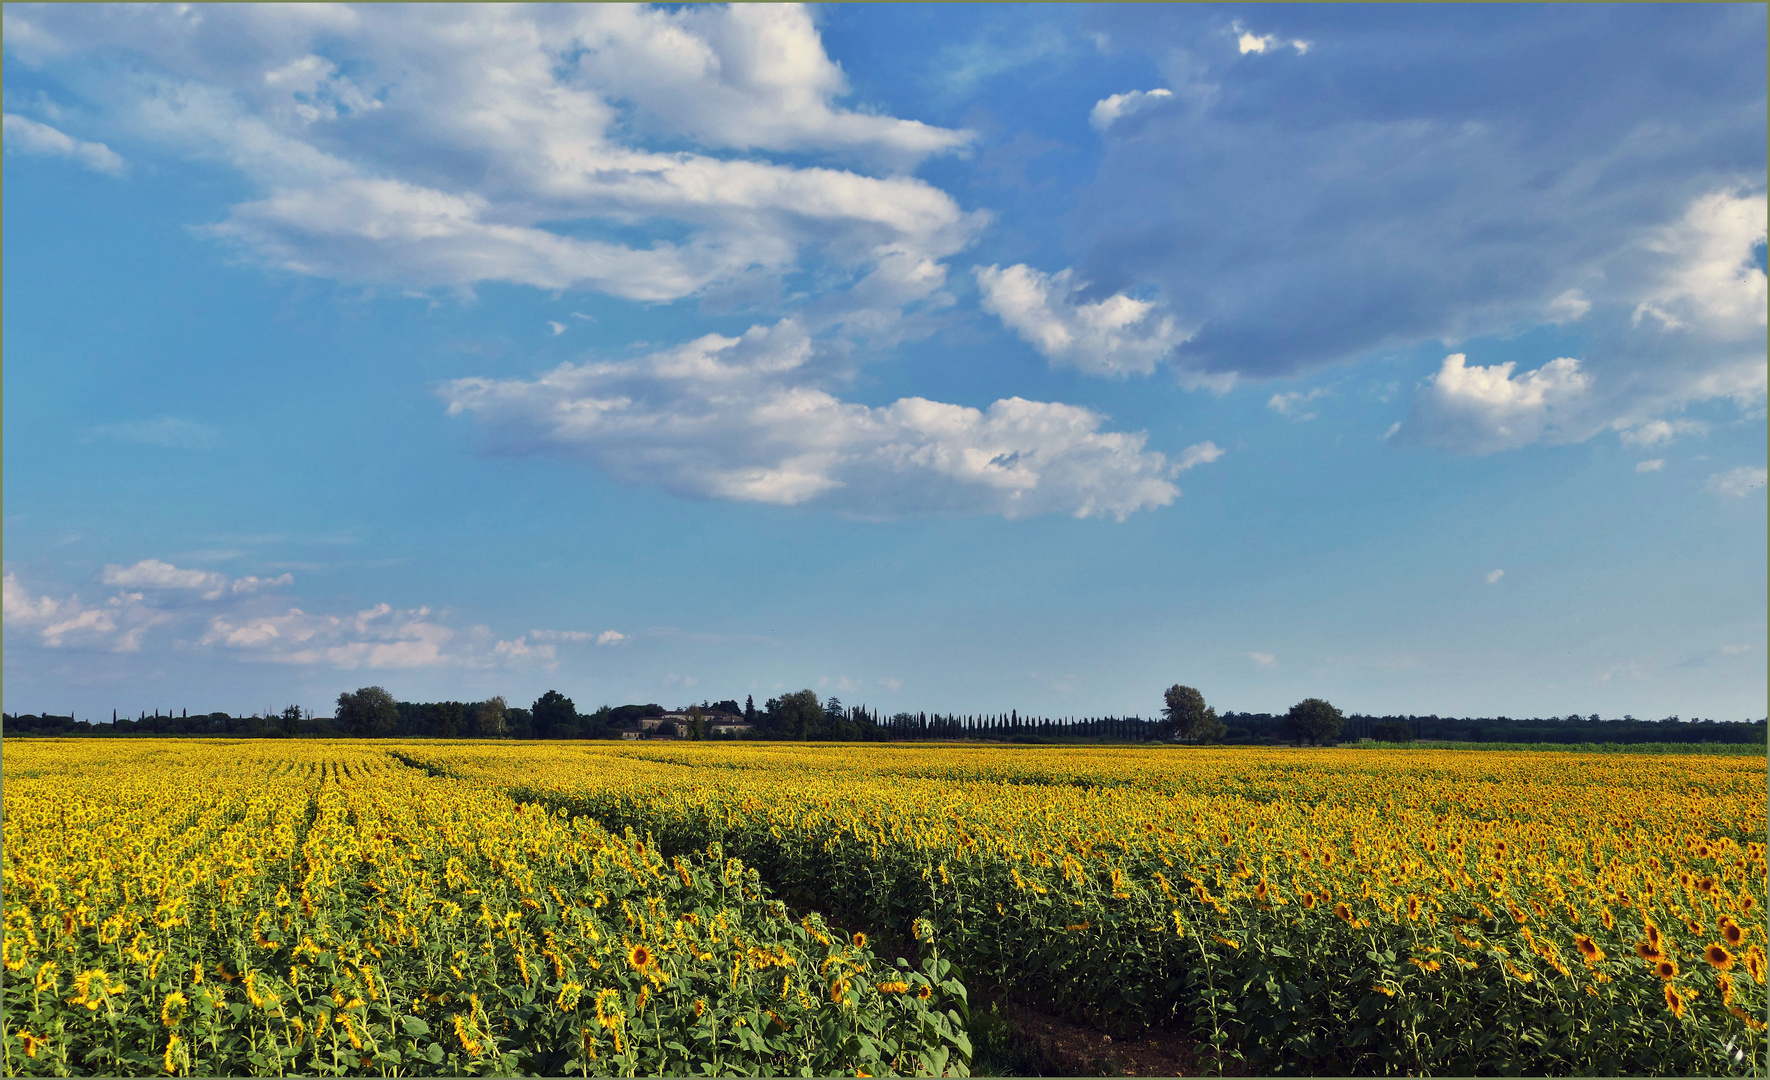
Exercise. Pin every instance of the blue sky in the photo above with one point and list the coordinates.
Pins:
(944, 358)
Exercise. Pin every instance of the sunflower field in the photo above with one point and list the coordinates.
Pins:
(603, 908)
(233, 908)
(1334, 910)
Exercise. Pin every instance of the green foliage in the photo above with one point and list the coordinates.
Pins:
(369, 711)
(554, 716)
(1392, 731)
(1315, 720)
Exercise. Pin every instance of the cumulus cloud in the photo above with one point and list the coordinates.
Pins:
(1264, 659)
(1198, 454)
(1736, 482)
(745, 419)
(439, 148)
(247, 626)
(1381, 197)
(1248, 42)
(1493, 576)
(1114, 336)
(1108, 109)
(1651, 465)
(118, 624)
(610, 637)
(1480, 410)
(27, 136)
(154, 574)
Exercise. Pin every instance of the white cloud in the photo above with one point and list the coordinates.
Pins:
(1570, 306)
(1654, 465)
(1108, 109)
(439, 148)
(1249, 42)
(1198, 454)
(29, 137)
(1655, 432)
(561, 635)
(1264, 659)
(1737, 482)
(1708, 277)
(558, 328)
(1115, 336)
(888, 682)
(1736, 650)
(1493, 576)
(610, 637)
(375, 637)
(1289, 404)
(117, 625)
(1693, 332)
(520, 651)
(164, 431)
(743, 419)
(1483, 409)
(154, 574)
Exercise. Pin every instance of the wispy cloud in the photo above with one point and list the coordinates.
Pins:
(27, 136)
(170, 431)
(1736, 482)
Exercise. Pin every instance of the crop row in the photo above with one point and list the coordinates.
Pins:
(1350, 911)
(220, 909)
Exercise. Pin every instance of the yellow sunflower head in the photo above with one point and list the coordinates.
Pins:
(1718, 957)
(1674, 1000)
(640, 957)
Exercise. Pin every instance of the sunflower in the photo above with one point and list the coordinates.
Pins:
(859, 940)
(1413, 907)
(169, 1060)
(1588, 949)
(32, 1043)
(1666, 968)
(1718, 957)
(172, 1012)
(700, 1007)
(924, 992)
(1344, 912)
(640, 957)
(1706, 884)
(894, 988)
(608, 1011)
(1754, 963)
(1731, 932)
(1674, 1001)
(568, 996)
(1308, 899)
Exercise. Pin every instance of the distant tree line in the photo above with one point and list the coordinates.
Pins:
(1244, 728)
(372, 712)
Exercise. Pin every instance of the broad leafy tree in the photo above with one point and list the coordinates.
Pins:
(554, 716)
(369, 711)
(1189, 718)
(1315, 720)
